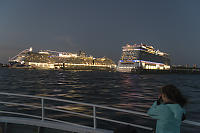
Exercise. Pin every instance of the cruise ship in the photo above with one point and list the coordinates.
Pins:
(48, 59)
(141, 56)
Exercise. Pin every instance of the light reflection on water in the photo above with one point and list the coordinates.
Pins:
(122, 90)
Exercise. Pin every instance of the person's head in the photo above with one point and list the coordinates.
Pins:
(172, 93)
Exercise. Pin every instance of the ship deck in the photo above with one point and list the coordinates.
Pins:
(21, 122)
(28, 125)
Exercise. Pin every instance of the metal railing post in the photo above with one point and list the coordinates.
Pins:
(94, 116)
(93, 106)
(42, 100)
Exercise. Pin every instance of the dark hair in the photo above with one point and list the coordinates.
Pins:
(173, 93)
(125, 129)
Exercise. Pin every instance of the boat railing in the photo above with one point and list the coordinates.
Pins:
(43, 107)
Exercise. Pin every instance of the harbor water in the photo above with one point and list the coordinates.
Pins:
(120, 90)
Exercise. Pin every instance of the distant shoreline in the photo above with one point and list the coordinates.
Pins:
(170, 71)
(135, 71)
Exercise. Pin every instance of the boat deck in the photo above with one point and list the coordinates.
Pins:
(12, 121)
(27, 125)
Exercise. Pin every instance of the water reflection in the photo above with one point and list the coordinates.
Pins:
(122, 90)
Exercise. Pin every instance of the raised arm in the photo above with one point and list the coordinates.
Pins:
(158, 111)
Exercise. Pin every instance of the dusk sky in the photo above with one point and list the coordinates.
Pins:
(101, 27)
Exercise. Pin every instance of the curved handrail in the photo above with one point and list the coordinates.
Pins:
(43, 108)
(74, 102)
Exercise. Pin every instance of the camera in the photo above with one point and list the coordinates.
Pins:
(160, 100)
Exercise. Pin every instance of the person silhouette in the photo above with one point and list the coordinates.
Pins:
(168, 110)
